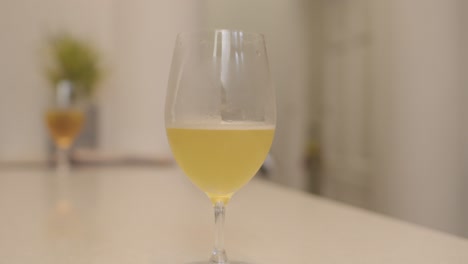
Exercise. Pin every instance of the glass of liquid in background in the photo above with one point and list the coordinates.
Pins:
(220, 114)
(64, 119)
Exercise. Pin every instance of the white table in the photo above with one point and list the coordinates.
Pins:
(148, 215)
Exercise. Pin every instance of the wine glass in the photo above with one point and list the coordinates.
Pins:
(220, 114)
(64, 120)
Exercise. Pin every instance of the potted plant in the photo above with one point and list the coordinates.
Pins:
(75, 61)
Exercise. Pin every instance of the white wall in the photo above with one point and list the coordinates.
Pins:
(396, 146)
(290, 29)
(421, 175)
(144, 33)
(464, 20)
(346, 108)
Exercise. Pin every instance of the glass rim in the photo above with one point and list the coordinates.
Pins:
(249, 35)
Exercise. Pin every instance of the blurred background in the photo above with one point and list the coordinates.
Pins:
(372, 96)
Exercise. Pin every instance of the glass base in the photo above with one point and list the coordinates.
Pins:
(229, 262)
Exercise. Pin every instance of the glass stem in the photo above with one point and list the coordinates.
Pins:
(62, 159)
(63, 173)
(218, 256)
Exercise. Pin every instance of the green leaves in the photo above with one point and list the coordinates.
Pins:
(76, 61)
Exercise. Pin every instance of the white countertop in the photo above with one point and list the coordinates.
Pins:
(148, 215)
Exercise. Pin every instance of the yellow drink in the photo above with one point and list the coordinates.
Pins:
(64, 125)
(220, 160)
